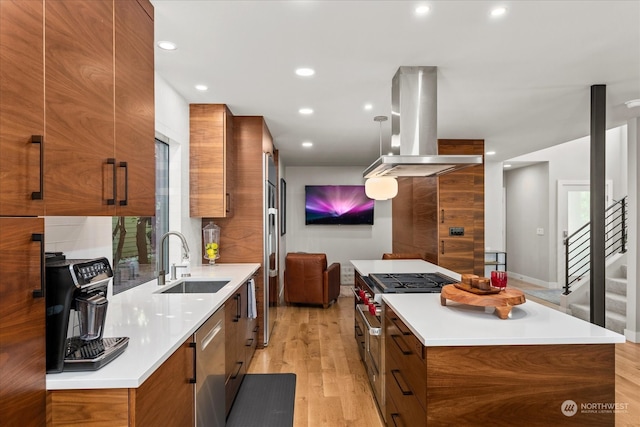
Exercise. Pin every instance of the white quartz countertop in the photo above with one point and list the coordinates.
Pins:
(381, 266)
(463, 325)
(156, 324)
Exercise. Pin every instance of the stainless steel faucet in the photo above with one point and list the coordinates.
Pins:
(161, 266)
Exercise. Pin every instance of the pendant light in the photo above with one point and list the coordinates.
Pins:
(385, 187)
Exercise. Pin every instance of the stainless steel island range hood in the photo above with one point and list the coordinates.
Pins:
(414, 136)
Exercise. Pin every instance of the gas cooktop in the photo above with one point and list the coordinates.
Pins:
(411, 282)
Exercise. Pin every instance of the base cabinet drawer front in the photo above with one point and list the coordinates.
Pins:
(404, 352)
(409, 412)
(166, 398)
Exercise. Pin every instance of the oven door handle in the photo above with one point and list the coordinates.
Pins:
(370, 329)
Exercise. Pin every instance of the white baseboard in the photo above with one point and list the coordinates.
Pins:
(534, 281)
(632, 336)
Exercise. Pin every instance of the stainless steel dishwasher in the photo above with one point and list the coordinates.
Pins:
(210, 375)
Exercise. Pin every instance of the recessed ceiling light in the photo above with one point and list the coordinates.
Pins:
(305, 72)
(633, 103)
(166, 45)
(368, 107)
(490, 153)
(307, 144)
(507, 165)
(499, 11)
(305, 111)
(202, 88)
(422, 10)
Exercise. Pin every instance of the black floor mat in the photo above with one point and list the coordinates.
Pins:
(264, 400)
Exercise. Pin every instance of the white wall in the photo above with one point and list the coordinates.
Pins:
(494, 208)
(527, 209)
(569, 161)
(341, 243)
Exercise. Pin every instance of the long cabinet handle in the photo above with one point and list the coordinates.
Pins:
(249, 342)
(395, 416)
(111, 161)
(400, 328)
(442, 247)
(403, 350)
(193, 346)
(441, 216)
(125, 201)
(237, 316)
(401, 382)
(39, 195)
(228, 208)
(234, 376)
(39, 237)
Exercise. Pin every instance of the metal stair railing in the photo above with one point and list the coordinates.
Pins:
(577, 248)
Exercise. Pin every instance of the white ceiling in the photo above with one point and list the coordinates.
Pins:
(521, 82)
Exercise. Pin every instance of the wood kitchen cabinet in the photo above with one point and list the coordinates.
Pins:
(165, 398)
(89, 71)
(242, 235)
(134, 108)
(21, 106)
(22, 322)
(443, 218)
(405, 374)
(240, 342)
(212, 161)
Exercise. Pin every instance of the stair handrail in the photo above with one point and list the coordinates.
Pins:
(615, 241)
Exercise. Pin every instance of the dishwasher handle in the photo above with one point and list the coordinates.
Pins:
(193, 346)
(211, 335)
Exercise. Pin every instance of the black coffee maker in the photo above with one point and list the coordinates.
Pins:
(76, 300)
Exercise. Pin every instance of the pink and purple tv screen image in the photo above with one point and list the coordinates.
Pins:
(337, 205)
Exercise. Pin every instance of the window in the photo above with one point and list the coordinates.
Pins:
(134, 237)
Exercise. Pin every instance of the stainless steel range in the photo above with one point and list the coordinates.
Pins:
(368, 312)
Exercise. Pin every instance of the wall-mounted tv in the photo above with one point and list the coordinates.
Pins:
(337, 204)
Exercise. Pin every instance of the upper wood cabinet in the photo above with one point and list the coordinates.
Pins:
(443, 218)
(21, 106)
(22, 322)
(212, 161)
(97, 96)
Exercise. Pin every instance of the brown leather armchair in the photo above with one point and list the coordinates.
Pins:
(401, 255)
(307, 279)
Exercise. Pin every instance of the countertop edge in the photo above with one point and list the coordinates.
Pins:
(85, 380)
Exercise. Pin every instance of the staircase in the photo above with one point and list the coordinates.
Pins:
(615, 302)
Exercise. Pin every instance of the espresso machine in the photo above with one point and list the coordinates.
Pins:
(76, 301)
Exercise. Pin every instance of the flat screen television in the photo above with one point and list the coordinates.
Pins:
(337, 205)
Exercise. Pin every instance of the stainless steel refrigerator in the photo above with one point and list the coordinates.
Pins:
(271, 238)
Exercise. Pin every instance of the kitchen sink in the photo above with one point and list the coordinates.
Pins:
(196, 287)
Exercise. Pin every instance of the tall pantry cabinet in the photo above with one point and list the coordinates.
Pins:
(442, 217)
(77, 138)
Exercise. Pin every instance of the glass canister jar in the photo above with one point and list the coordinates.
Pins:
(211, 240)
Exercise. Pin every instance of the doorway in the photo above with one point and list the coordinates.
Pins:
(574, 207)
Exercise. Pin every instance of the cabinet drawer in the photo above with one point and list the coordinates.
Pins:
(404, 353)
(407, 410)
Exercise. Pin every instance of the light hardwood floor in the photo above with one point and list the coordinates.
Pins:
(332, 388)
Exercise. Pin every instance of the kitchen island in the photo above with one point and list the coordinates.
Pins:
(149, 383)
(463, 365)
